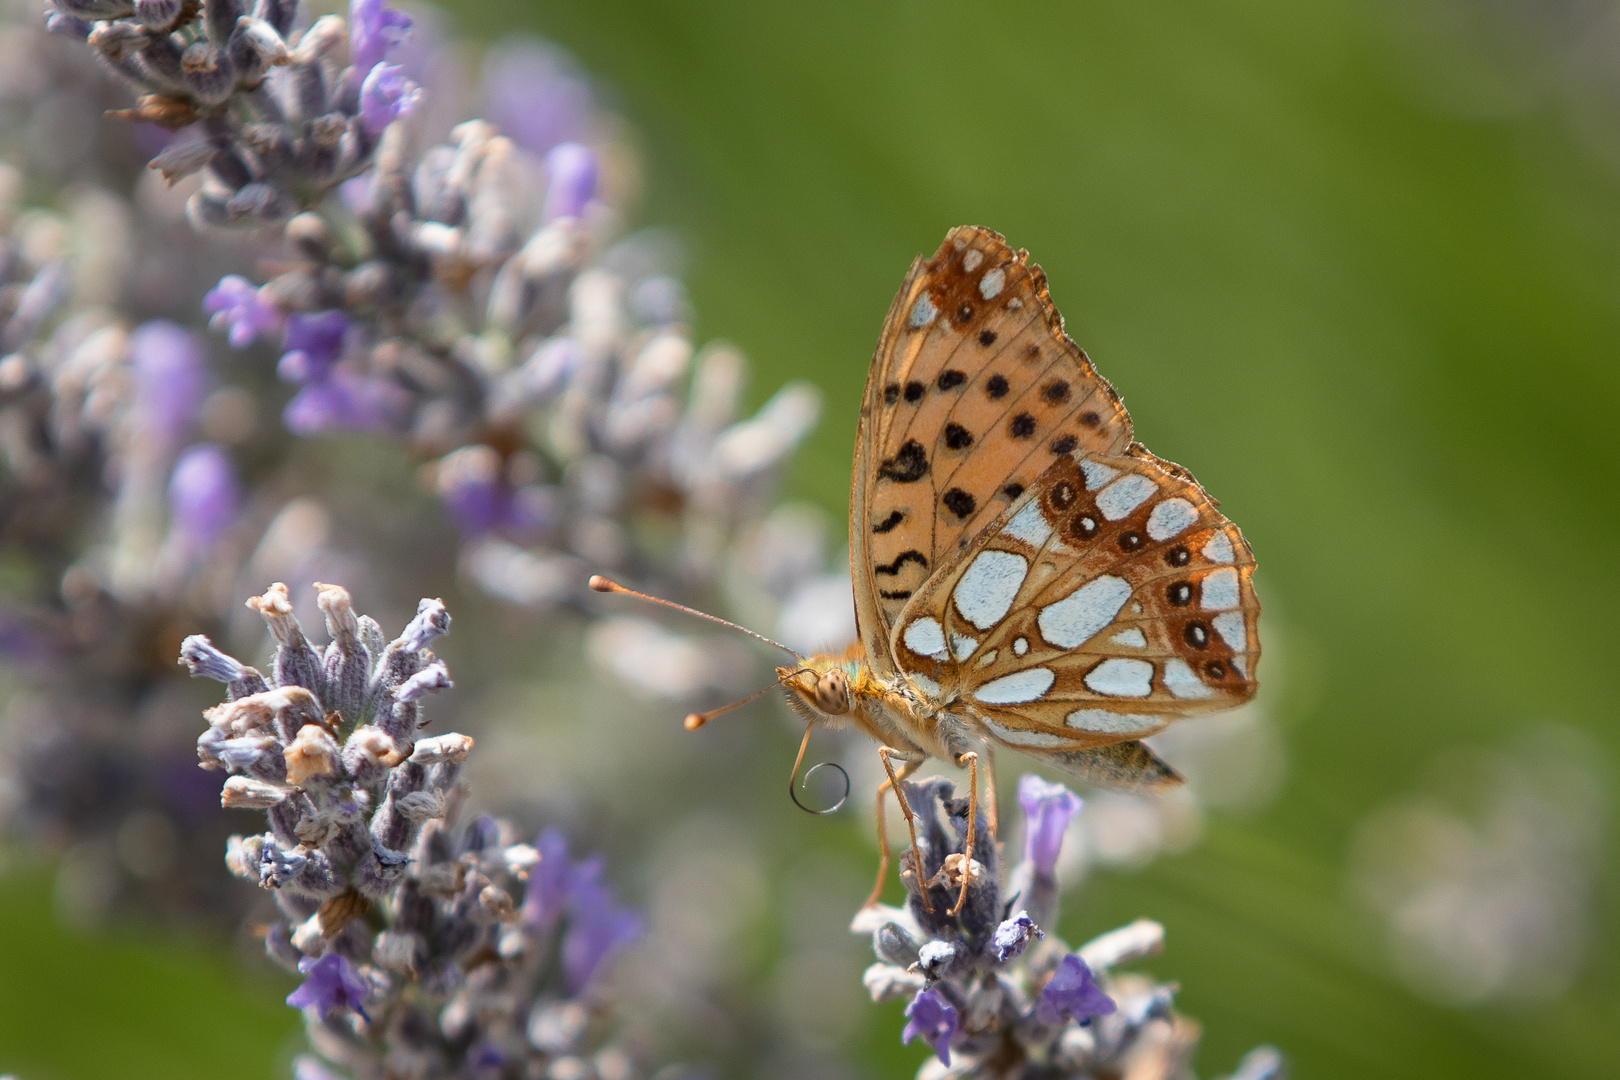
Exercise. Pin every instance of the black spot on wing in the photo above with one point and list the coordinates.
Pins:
(895, 517)
(959, 503)
(900, 560)
(906, 467)
(958, 437)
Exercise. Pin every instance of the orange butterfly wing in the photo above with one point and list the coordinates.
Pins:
(973, 392)
(1107, 601)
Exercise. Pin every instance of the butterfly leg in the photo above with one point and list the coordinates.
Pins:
(971, 761)
(908, 765)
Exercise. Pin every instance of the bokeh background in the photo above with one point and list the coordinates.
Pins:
(1357, 265)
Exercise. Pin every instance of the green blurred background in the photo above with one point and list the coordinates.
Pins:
(1356, 264)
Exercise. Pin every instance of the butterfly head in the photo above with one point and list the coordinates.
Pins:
(819, 689)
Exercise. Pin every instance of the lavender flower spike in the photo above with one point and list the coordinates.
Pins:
(169, 379)
(600, 927)
(934, 1019)
(332, 982)
(238, 306)
(312, 344)
(374, 28)
(1047, 811)
(1072, 995)
(385, 96)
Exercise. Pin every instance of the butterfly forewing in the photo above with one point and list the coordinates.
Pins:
(974, 392)
(1108, 600)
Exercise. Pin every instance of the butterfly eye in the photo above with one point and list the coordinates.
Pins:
(1180, 594)
(1196, 635)
(831, 695)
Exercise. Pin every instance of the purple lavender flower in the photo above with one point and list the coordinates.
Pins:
(374, 28)
(203, 494)
(342, 402)
(385, 96)
(934, 1019)
(535, 96)
(571, 181)
(331, 982)
(547, 892)
(1071, 994)
(598, 928)
(169, 378)
(1013, 935)
(236, 304)
(1047, 810)
(313, 343)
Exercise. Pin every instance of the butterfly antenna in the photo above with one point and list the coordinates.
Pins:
(608, 585)
(696, 720)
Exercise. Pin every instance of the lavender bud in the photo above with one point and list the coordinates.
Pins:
(451, 747)
(181, 158)
(431, 621)
(255, 47)
(374, 28)
(68, 26)
(243, 855)
(1013, 936)
(219, 19)
(433, 677)
(261, 201)
(208, 72)
(935, 958)
(421, 806)
(117, 41)
(201, 658)
(887, 982)
(313, 753)
(282, 15)
(1144, 937)
(157, 14)
(245, 793)
(891, 942)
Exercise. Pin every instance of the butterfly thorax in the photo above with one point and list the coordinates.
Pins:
(838, 688)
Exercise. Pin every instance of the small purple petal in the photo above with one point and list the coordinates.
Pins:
(203, 494)
(330, 982)
(533, 93)
(1071, 994)
(385, 96)
(570, 181)
(238, 307)
(313, 343)
(341, 403)
(932, 1018)
(374, 28)
(472, 489)
(1013, 935)
(1047, 810)
(169, 378)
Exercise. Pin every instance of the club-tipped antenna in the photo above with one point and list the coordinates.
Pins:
(696, 720)
(608, 585)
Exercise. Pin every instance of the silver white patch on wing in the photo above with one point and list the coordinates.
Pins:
(1097, 474)
(1106, 722)
(1020, 737)
(991, 283)
(1118, 677)
(1230, 626)
(1218, 548)
(1170, 518)
(1183, 682)
(962, 646)
(922, 312)
(971, 261)
(1029, 525)
(1132, 637)
(986, 592)
(1073, 620)
(1019, 688)
(1124, 495)
(989, 658)
(926, 637)
(1219, 591)
(922, 682)
(1020, 646)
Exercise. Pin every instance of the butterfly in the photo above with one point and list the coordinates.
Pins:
(1026, 574)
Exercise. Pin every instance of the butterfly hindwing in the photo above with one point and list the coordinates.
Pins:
(1107, 601)
(974, 391)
